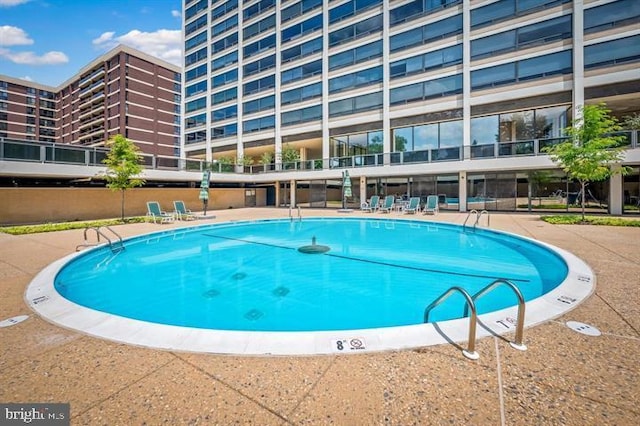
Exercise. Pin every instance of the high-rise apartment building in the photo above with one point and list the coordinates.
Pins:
(460, 96)
(123, 92)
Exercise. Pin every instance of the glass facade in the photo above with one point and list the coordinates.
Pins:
(281, 78)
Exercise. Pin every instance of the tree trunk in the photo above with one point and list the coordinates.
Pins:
(122, 204)
(583, 187)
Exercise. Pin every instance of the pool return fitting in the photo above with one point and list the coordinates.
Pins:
(470, 351)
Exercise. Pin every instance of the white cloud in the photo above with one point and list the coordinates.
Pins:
(13, 36)
(9, 3)
(30, 58)
(163, 44)
(103, 39)
(176, 13)
(26, 77)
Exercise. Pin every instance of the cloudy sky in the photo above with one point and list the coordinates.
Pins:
(49, 41)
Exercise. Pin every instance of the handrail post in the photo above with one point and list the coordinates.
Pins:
(517, 343)
(470, 352)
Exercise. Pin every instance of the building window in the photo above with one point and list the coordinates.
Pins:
(259, 27)
(196, 88)
(351, 8)
(356, 55)
(258, 8)
(195, 137)
(356, 79)
(611, 15)
(261, 104)
(260, 85)
(418, 64)
(259, 124)
(260, 65)
(355, 31)
(195, 73)
(259, 46)
(302, 50)
(224, 113)
(224, 131)
(302, 28)
(224, 78)
(526, 69)
(522, 38)
(224, 43)
(418, 8)
(224, 9)
(303, 71)
(299, 9)
(194, 26)
(354, 105)
(224, 26)
(613, 52)
(444, 86)
(301, 94)
(195, 105)
(195, 121)
(427, 33)
(223, 61)
(303, 115)
(224, 96)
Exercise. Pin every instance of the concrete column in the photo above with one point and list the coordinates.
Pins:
(277, 186)
(326, 152)
(239, 144)
(292, 193)
(466, 81)
(616, 194)
(578, 58)
(462, 191)
(363, 189)
(277, 148)
(387, 142)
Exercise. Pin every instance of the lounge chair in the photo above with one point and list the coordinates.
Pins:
(387, 206)
(156, 214)
(372, 205)
(182, 212)
(431, 206)
(413, 206)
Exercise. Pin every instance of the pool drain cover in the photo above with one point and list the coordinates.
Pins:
(583, 328)
(281, 291)
(210, 294)
(239, 276)
(253, 315)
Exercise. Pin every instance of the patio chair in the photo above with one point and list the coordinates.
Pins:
(431, 206)
(372, 205)
(182, 212)
(156, 214)
(413, 206)
(386, 207)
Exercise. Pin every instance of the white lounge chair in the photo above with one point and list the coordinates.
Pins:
(182, 212)
(387, 206)
(372, 205)
(431, 207)
(413, 206)
(156, 214)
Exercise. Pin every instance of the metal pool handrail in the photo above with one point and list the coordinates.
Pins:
(470, 352)
(517, 343)
(117, 246)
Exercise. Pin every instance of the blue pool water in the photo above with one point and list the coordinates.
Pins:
(251, 276)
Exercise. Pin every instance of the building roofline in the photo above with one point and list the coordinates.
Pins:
(121, 48)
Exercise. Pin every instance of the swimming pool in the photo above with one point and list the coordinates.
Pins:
(245, 287)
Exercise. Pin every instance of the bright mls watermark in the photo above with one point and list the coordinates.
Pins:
(35, 414)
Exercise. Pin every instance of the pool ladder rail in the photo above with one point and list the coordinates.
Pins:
(116, 245)
(291, 214)
(470, 351)
(478, 217)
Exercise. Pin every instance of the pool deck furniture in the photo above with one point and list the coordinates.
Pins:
(182, 212)
(157, 214)
(413, 206)
(372, 205)
(431, 207)
(387, 206)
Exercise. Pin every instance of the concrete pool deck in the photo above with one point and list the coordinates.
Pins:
(563, 378)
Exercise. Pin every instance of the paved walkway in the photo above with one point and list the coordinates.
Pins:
(563, 378)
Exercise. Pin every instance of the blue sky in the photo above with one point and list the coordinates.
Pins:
(49, 41)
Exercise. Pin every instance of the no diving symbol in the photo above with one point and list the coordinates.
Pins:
(349, 344)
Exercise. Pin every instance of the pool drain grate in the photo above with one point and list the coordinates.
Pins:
(210, 294)
(281, 291)
(253, 315)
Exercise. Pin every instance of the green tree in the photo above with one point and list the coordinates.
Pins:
(266, 158)
(123, 165)
(592, 151)
(290, 154)
(632, 122)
